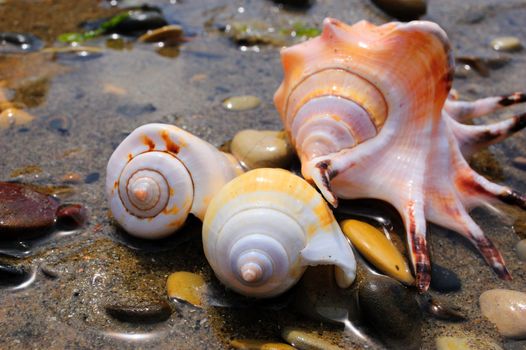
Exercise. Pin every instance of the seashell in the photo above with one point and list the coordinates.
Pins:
(367, 109)
(159, 174)
(265, 227)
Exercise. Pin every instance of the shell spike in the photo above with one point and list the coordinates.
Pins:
(320, 173)
(330, 247)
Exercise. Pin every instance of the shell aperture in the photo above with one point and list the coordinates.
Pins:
(159, 174)
(400, 74)
(265, 227)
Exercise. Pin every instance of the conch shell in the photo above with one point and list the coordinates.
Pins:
(265, 227)
(159, 174)
(367, 109)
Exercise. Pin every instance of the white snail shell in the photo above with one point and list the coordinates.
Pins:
(159, 174)
(265, 227)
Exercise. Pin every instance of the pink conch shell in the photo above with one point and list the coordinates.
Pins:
(368, 112)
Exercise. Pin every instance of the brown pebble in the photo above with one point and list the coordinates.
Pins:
(506, 43)
(71, 216)
(142, 313)
(519, 162)
(252, 344)
(186, 286)
(72, 178)
(25, 211)
(170, 34)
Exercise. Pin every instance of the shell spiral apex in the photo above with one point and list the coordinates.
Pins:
(159, 174)
(265, 227)
(368, 111)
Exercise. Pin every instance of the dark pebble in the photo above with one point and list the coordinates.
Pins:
(142, 313)
(71, 216)
(404, 10)
(12, 275)
(61, 124)
(519, 162)
(25, 212)
(140, 21)
(444, 280)
(392, 311)
(19, 42)
(92, 177)
(438, 309)
(134, 110)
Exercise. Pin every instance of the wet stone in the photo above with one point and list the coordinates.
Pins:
(12, 275)
(404, 10)
(76, 53)
(506, 43)
(521, 249)
(140, 21)
(438, 309)
(91, 178)
(252, 344)
(71, 216)
(11, 42)
(262, 149)
(171, 34)
(24, 211)
(464, 343)
(507, 310)
(519, 162)
(305, 340)
(241, 103)
(186, 286)
(444, 280)
(134, 110)
(61, 124)
(72, 178)
(391, 310)
(147, 312)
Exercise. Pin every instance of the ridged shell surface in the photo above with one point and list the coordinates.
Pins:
(264, 227)
(159, 174)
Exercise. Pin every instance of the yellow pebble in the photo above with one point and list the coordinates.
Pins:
(252, 344)
(14, 116)
(377, 249)
(186, 286)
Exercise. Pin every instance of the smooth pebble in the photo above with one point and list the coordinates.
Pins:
(141, 313)
(404, 10)
(262, 149)
(186, 286)
(444, 280)
(252, 344)
(170, 34)
(305, 340)
(377, 249)
(464, 343)
(519, 162)
(521, 249)
(506, 43)
(241, 103)
(507, 310)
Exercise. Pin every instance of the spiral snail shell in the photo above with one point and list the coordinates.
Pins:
(264, 228)
(159, 174)
(368, 110)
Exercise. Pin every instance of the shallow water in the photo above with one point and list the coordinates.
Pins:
(85, 106)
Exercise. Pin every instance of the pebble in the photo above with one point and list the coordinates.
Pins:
(186, 286)
(141, 313)
(61, 124)
(92, 177)
(241, 103)
(506, 43)
(444, 280)
(262, 149)
(71, 216)
(12, 275)
(438, 309)
(507, 310)
(25, 211)
(464, 343)
(75, 53)
(252, 344)
(72, 178)
(521, 249)
(11, 42)
(377, 249)
(404, 10)
(13, 117)
(391, 310)
(519, 162)
(171, 34)
(304, 340)
(139, 21)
